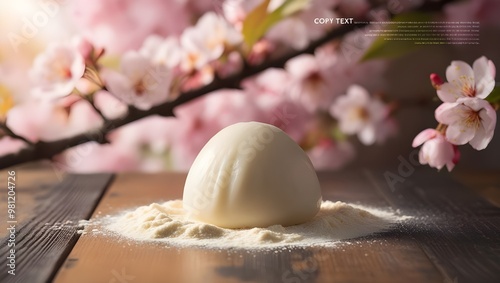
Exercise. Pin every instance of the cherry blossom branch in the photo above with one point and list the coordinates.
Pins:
(47, 150)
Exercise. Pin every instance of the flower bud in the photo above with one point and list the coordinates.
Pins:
(436, 81)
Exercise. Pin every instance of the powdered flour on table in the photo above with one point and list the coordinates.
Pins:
(169, 223)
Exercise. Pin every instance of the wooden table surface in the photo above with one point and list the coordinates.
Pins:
(453, 237)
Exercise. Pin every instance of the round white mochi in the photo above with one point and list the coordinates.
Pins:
(252, 175)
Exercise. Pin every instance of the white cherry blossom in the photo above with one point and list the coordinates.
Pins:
(466, 81)
(56, 72)
(469, 120)
(436, 150)
(140, 82)
(359, 113)
(207, 41)
(309, 81)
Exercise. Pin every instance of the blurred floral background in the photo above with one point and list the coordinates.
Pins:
(69, 66)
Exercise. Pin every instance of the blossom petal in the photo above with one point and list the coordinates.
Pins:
(421, 157)
(118, 84)
(459, 133)
(377, 110)
(431, 153)
(484, 134)
(302, 66)
(484, 72)
(351, 126)
(359, 94)
(368, 135)
(488, 117)
(447, 113)
(438, 152)
(424, 136)
(460, 78)
(460, 72)
(134, 66)
(481, 139)
(487, 113)
(449, 92)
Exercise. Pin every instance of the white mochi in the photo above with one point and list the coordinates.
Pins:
(252, 175)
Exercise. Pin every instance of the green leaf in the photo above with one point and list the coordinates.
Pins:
(254, 25)
(259, 20)
(494, 96)
(381, 48)
(290, 7)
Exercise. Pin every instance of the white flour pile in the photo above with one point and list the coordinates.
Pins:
(168, 223)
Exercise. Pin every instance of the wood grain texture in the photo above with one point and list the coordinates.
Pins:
(30, 184)
(459, 231)
(49, 209)
(380, 258)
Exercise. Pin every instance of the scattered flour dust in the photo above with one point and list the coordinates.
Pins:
(168, 223)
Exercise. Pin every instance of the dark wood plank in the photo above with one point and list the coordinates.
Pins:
(458, 230)
(104, 258)
(486, 183)
(47, 231)
(30, 185)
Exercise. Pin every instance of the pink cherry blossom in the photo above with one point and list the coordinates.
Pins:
(330, 155)
(207, 41)
(466, 81)
(436, 150)
(469, 120)
(140, 82)
(56, 72)
(360, 114)
(308, 81)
